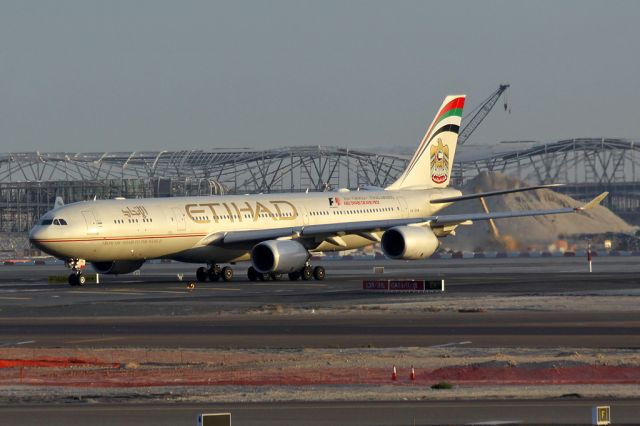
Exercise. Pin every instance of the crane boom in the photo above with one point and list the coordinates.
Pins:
(480, 113)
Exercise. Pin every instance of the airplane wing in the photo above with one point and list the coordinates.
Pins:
(489, 194)
(366, 227)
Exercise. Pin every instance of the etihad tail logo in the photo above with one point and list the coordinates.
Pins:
(439, 162)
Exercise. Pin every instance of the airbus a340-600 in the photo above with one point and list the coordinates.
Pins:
(276, 232)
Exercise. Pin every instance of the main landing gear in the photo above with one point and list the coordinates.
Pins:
(76, 278)
(214, 273)
(307, 273)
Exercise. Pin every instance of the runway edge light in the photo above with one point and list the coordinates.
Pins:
(601, 415)
(214, 419)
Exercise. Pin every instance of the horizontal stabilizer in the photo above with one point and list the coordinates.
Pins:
(491, 193)
(595, 202)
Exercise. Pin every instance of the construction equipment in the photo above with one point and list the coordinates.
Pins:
(481, 112)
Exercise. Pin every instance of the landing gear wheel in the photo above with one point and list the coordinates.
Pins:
(73, 279)
(319, 273)
(276, 277)
(252, 274)
(213, 275)
(294, 276)
(227, 273)
(201, 274)
(82, 280)
(264, 277)
(307, 273)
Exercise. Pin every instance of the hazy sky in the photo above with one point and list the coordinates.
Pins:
(148, 75)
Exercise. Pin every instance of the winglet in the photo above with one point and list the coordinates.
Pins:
(595, 202)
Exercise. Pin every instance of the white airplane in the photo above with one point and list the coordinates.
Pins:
(277, 232)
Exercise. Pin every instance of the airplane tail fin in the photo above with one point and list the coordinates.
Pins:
(430, 166)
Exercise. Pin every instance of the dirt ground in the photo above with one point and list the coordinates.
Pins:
(315, 374)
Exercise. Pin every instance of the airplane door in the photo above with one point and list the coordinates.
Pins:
(305, 216)
(94, 226)
(179, 219)
(404, 209)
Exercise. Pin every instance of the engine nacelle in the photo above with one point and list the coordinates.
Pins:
(409, 242)
(117, 267)
(279, 257)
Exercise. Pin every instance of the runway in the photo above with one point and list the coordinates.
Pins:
(424, 412)
(510, 329)
(155, 309)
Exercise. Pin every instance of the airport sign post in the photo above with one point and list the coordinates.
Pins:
(214, 419)
(401, 286)
(601, 415)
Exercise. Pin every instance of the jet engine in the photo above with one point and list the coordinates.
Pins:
(409, 242)
(117, 267)
(279, 257)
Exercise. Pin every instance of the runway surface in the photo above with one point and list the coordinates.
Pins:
(510, 329)
(561, 411)
(155, 309)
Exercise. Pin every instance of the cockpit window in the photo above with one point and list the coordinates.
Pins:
(62, 221)
(59, 221)
(56, 222)
(46, 222)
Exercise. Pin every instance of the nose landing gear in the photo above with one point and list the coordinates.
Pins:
(76, 278)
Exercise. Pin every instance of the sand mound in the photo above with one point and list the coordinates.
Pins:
(537, 232)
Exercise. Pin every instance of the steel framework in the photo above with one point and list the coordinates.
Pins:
(30, 182)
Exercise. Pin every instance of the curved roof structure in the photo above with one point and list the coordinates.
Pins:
(223, 165)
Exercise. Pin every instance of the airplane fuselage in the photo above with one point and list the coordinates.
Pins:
(176, 228)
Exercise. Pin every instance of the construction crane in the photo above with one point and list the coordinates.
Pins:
(481, 112)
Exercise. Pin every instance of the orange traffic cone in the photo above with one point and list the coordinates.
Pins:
(413, 374)
(394, 375)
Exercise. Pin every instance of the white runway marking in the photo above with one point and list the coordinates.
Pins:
(103, 339)
(446, 345)
(280, 283)
(143, 292)
(211, 288)
(25, 342)
(121, 292)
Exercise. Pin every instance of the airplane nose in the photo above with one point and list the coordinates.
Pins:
(36, 235)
